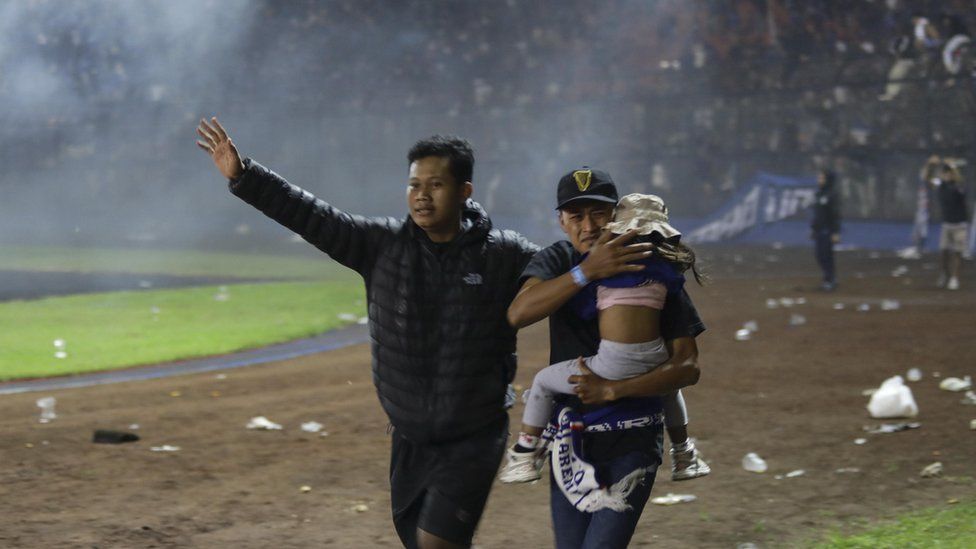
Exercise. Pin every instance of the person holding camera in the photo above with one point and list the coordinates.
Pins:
(943, 175)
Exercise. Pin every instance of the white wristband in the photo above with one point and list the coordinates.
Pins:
(578, 277)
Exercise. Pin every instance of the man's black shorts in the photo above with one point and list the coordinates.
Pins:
(442, 488)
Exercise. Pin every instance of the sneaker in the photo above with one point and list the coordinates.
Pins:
(521, 467)
(953, 284)
(688, 464)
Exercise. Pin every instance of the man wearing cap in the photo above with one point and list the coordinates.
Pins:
(585, 204)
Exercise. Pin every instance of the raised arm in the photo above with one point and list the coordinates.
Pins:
(349, 239)
(681, 370)
(540, 298)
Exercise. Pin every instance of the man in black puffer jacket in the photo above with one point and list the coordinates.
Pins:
(438, 285)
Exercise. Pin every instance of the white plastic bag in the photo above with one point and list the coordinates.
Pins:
(893, 399)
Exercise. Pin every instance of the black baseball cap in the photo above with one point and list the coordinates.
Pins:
(585, 184)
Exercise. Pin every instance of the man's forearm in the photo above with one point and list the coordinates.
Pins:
(540, 298)
(681, 370)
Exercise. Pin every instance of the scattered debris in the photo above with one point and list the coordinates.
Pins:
(955, 384)
(305, 489)
(165, 448)
(360, 508)
(890, 305)
(801, 301)
(104, 436)
(860, 441)
(972, 424)
(222, 294)
(932, 470)
(134, 426)
(797, 320)
(771, 303)
(215, 394)
(220, 376)
(847, 470)
(753, 463)
(970, 398)
(145, 284)
(900, 270)
(751, 325)
(674, 499)
(312, 427)
(262, 423)
(787, 301)
(891, 428)
(839, 306)
(363, 321)
(791, 474)
(743, 335)
(914, 374)
(60, 349)
(348, 317)
(46, 404)
(863, 308)
(893, 399)
(175, 394)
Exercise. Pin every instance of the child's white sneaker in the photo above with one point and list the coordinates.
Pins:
(688, 463)
(521, 466)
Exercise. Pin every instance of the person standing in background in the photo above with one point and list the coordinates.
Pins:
(946, 180)
(825, 227)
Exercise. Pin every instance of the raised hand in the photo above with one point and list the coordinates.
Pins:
(220, 148)
(609, 256)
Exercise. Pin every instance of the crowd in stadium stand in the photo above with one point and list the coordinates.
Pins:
(736, 86)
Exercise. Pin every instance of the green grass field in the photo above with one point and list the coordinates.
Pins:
(951, 527)
(122, 329)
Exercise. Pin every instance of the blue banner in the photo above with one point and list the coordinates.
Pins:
(767, 198)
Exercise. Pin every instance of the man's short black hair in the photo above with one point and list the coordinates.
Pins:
(457, 150)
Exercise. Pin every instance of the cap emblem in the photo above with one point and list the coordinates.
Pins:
(583, 178)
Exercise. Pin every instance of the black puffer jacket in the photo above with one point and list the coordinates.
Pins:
(443, 352)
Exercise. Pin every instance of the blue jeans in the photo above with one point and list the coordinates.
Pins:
(604, 529)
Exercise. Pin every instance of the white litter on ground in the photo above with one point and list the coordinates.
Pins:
(674, 499)
(753, 463)
(893, 399)
(262, 423)
(955, 384)
(932, 470)
(312, 427)
(165, 448)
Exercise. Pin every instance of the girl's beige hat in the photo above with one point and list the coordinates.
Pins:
(645, 213)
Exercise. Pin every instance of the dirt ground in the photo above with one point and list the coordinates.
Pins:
(793, 394)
